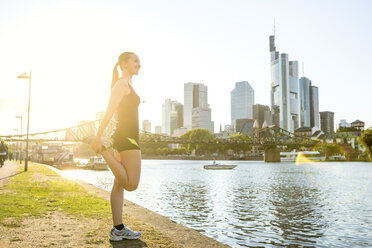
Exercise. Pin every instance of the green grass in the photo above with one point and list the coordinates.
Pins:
(26, 195)
(40, 192)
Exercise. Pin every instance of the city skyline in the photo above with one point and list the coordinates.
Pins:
(71, 59)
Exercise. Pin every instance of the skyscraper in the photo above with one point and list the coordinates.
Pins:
(172, 116)
(327, 121)
(262, 113)
(314, 107)
(305, 102)
(195, 96)
(242, 100)
(201, 118)
(284, 89)
(309, 103)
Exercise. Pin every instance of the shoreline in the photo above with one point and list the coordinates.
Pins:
(158, 157)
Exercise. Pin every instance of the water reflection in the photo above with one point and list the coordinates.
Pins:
(258, 204)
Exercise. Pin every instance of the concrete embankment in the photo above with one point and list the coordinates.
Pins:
(40, 208)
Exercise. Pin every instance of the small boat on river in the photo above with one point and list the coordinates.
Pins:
(216, 166)
(96, 163)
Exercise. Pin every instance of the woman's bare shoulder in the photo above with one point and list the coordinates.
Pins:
(122, 82)
(121, 85)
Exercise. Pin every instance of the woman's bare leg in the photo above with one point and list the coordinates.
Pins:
(117, 168)
(116, 200)
(131, 160)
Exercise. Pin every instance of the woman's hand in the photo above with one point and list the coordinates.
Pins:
(96, 146)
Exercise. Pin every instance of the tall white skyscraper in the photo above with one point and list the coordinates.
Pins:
(314, 107)
(284, 90)
(242, 101)
(195, 96)
(305, 102)
(172, 116)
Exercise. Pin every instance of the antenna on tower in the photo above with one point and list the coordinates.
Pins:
(274, 26)
(303, 69)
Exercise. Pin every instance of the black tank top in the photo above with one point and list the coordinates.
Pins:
(127, 123)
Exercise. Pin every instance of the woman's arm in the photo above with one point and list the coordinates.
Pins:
(120, 90)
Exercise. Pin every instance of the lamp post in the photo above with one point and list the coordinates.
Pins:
(24, 75)
(20, 144)
(15, 153)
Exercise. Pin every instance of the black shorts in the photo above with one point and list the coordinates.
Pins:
(125, 143)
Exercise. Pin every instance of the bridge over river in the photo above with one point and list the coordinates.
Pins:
(269, 139)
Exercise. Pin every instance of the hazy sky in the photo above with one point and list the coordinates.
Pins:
(72, 46)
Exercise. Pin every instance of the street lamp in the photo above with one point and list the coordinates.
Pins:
(20, 146)
(15, 153)
(24, 75)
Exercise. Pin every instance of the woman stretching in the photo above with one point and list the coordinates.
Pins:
(126, 164)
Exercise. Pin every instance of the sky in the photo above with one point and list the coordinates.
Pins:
(71, 48)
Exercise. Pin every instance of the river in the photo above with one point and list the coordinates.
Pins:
(258, 204)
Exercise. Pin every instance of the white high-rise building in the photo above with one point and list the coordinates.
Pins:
(284, 90)
(305, 87)
(172, 116)
(201, 118)
(242, 101)
(166, 113)
(196, 96)
(314, 107)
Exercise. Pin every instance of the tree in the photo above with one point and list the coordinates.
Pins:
(197, 139)
(329, 149)
(367, 138)
(347, 129)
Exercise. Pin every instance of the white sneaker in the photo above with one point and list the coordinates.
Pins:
(125, 233)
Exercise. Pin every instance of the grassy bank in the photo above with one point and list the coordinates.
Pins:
(41, 194)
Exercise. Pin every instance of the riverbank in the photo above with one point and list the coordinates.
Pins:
(39, 208)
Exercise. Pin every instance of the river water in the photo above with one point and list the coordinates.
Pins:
(258, 204)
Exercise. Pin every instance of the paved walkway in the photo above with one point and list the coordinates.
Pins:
(8, 170)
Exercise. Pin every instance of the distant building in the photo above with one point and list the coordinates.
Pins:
(201, 118)
(327, 122)
(229, 128)
(242, 101)
(195, 96)
(146, 126)
(245, 126)
(262, 113)
(314, 106)
(172, 116)
(358, 124)
(304, 102)
(284, 90)
(309, 103)
(343, 123)
(304, 131)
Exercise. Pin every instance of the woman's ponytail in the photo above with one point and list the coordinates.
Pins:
(115, 75)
